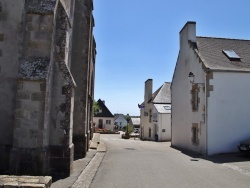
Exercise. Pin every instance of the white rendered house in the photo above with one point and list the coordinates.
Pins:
(104, 119)
(161, 118)
(120, 121)
(210, 93)
(135, 123)
(156, 122)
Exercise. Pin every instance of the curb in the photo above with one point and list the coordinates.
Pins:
(84, 169)
(88, 174)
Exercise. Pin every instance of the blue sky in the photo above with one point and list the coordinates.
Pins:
(139, 39)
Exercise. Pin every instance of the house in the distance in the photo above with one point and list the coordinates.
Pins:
(135, 123)
(103, 119)
(210, 93)
(161, 116)
(120, 121)
(156, 122)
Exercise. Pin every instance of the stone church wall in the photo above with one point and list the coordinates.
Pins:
(46, 75)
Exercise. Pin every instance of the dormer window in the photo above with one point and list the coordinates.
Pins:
(100, 110)
(231, 55)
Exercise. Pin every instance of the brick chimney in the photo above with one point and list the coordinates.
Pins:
(148, 90)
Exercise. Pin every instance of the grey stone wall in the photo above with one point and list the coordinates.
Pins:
(10, 39)
(62, 96)
(42, 141)
(81, 71)
(38, 35)
(47, 55)
(30, 148)
(28, 130)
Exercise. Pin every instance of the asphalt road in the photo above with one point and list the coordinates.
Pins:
(144, 164)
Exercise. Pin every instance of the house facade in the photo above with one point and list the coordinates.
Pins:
(151, 127)
(135, 122)
(120, 121)
(103, 119)
(39, 84)
(161, 117)
(210, 94)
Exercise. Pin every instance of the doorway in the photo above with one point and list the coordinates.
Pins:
(100, 123)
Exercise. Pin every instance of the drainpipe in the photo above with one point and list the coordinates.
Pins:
(205, 120)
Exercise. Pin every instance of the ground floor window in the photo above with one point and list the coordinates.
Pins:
(195, 130)
(108, 122)
(149, 133)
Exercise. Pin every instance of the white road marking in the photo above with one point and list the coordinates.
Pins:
(237, 169)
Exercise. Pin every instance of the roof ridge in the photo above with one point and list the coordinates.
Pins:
(223, 38)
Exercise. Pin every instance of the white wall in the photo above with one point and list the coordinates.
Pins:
(182, 114)
(121, 120)
(145, 124)
(164, 123)
(105, 126)
(228, 111)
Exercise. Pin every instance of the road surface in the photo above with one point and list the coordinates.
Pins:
(145, 164)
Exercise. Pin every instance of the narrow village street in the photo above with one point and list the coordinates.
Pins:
(135, 163)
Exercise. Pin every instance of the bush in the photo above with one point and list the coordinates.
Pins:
(126, 136)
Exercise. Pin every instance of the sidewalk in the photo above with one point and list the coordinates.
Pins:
(84, 169)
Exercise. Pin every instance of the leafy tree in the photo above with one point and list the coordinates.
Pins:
(96, 107)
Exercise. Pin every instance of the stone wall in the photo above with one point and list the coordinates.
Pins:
(82, 68)
(47, 85)
(10, 39)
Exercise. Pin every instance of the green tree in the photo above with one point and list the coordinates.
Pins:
(96, 107)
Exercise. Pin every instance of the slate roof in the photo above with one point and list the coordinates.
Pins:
(116, 116)
(163, 94)
(210, 51)
(161, 108)
(104, 112)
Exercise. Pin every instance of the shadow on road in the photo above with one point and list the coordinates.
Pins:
(218, 158)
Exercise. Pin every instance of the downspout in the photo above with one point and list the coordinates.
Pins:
(205, 120)
(160, 130)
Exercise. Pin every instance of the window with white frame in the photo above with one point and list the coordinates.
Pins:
(108, 122)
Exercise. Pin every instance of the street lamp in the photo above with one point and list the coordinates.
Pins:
(191, 77)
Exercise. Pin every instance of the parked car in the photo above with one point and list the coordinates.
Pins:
(244, 146)
(136, 130)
